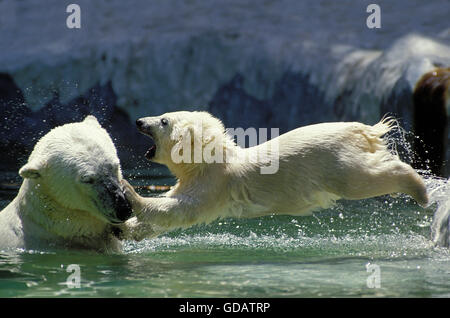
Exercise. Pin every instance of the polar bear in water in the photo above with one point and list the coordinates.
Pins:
(316, 165)
(71, 195)
(440, 194)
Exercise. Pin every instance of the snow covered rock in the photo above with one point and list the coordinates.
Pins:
(276, 64)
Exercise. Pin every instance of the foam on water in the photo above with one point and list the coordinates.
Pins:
(391, 245)
(439, 192)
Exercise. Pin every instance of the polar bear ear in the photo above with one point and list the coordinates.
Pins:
(203, 134)
(30, 171)
(91, 120)
(184, 131)
(196, 133)
(213, 133)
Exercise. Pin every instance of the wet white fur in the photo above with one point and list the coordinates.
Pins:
(318, 165)
(53, 207)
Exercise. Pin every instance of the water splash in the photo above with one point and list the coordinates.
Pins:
(439, 192)
(400, 143)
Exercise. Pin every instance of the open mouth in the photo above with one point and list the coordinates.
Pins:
(146, 131)
(150, 152)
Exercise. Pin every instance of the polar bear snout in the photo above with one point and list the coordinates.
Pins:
(144, 127)
(139, 122)
(119, 208)
(123, 207)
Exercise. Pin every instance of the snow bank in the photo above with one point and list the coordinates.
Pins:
(273, 63)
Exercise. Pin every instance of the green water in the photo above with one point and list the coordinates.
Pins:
(320, 256)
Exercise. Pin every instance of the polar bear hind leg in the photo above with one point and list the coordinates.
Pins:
(396, 177)
(380, 172)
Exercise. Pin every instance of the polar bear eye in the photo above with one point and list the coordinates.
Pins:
(87, 179)
(164, 121)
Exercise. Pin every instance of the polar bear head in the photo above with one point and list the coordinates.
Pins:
(76, 168)
(184, 141)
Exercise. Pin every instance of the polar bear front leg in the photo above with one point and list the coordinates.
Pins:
(135, 228)
(136, 201)
(162, 214)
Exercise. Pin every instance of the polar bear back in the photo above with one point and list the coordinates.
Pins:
(321, 163)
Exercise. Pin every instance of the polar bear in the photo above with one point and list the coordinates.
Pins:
(317, 165)
(440, 228)
(71, 194)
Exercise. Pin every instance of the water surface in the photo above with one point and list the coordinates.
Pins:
(325, 255)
